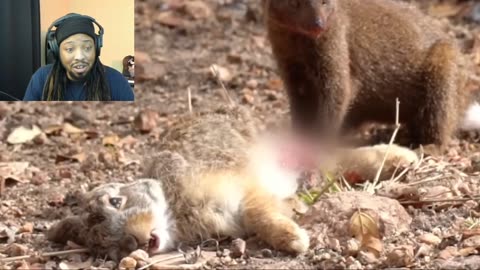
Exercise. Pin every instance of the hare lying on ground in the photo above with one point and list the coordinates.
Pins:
(213, 176)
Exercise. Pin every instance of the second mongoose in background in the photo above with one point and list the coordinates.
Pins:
(345, 62)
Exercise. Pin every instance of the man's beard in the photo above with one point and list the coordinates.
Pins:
(78, 77)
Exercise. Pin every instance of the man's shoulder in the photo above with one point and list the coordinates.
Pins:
(111, 72)
(121, 90)
(43, 71)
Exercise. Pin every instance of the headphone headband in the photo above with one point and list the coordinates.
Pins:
(51, 45)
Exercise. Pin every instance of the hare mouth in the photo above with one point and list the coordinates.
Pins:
(154, 242)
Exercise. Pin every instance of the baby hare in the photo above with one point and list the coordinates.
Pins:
(211, 177)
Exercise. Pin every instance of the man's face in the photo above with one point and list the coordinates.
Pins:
(77, 55)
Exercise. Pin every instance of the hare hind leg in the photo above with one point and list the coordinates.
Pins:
(264, 215)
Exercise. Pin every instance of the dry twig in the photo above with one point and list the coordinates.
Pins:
(47, 254)
(397, 127)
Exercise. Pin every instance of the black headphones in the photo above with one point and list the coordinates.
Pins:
(51, 45)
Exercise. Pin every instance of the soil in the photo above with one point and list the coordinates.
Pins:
(70, 146)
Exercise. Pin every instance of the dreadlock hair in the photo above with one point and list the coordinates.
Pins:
(96, 83)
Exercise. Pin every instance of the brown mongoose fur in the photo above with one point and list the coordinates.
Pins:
(345, 62)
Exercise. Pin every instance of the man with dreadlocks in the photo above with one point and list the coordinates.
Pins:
(77, 73)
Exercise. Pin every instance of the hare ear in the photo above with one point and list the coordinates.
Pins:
(165, 166)
(69, 229)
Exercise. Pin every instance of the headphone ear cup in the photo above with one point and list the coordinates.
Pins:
(52, 48)
(98, 44)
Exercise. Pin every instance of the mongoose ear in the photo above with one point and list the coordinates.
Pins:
(69, 229)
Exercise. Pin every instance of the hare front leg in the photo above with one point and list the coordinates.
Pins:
(263, 214)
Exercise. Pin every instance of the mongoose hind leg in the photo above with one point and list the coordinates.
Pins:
(436, 119)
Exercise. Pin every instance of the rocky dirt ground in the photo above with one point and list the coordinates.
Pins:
(429, 218)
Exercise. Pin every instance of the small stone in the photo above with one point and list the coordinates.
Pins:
(429, 238)
(226, 260)
(16, 250)
(423, 250)
(334, 244)
(252, 84)
(367, 257)
(226, 252)
(127, 263)
(139, 255)
(326, 256)
(354, 265)
(141, 264)
(23, 265)
(267, 253)
(107, 158)
(353, 246)
(248, 97)
(110, 264)
(146, 121)
(40, 139)
(26, 228)
(39, 178)
(237, 248)
(448, 253)
(223, 73)
(401, 256)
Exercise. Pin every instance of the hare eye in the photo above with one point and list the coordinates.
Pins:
(116, 202)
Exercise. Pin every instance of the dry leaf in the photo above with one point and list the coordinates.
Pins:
(197, 9)
(429, 238)
(13, 168)
(470, 232)
(373, 245)
(23, 135)
(169, 18)
(55, 129)
(80, 157)
(363, 225)
(71, 129)
(110, 140)
(75, 265)
(473, 241)
(467, 251)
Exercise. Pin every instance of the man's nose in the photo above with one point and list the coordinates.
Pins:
(79, 54)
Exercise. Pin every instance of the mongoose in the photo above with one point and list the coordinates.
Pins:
(212, 175)
(344, 62)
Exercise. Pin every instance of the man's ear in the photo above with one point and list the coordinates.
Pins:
(69, 229)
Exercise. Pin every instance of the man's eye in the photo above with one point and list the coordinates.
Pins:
(116, 202)
(69, 49)
(88, 48)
